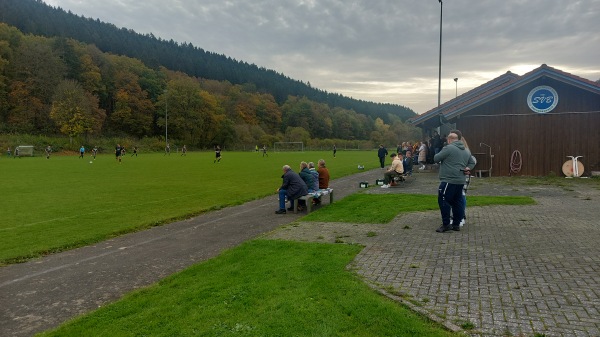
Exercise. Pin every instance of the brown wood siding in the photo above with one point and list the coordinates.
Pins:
(544, 140)
(571, 99)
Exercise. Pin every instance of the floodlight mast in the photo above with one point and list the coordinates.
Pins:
(166, 118)
(440, 59)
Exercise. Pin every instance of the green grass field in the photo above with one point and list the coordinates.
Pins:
(67, 202)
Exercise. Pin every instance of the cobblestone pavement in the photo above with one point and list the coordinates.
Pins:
(511, 271)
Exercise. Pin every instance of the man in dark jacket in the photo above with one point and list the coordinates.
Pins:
(382, 153)
(293, 187)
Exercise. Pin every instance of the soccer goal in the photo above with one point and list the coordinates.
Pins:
(288, 146)
(24, 151)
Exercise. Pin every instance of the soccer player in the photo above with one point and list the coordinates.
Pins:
(95, 152)
(118, 152)
(217, 154)
(81, 151)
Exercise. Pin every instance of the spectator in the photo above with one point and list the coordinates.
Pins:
(315, 176)
(422, 155)
(293, 187)
(455, 162)
(436, 142)
(394, 170)
(407, 163)
(323, 175)
(382, 153)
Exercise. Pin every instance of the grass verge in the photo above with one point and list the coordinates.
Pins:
(382, 208)
(261, 288)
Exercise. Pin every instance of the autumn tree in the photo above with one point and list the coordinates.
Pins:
(133, 111)
(76, 111)
(26, 110)
(194, 115)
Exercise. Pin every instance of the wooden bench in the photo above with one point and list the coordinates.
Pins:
(310, 196)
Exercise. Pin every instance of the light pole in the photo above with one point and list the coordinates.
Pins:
(166, 118)
(456, 81)
(440, 65)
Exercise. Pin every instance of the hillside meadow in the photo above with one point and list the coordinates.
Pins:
(55, 204)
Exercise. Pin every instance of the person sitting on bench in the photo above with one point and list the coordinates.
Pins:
(293, 187)
(395, 169)
(407, 163)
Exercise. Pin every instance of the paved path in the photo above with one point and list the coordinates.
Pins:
(44, 293)
(512, 271)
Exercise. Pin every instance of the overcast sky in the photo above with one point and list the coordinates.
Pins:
(377, 50)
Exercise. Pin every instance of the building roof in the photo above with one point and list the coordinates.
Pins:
(499, 86)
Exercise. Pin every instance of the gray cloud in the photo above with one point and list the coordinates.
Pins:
(385, 50)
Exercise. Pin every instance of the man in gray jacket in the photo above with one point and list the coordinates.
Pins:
(456, 161)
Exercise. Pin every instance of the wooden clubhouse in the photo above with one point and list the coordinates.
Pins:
(525, 125)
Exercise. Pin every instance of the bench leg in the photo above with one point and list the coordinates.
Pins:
(296, 206)
(308, 205)
(331, 198)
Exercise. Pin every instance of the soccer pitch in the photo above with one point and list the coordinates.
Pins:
(67, 202)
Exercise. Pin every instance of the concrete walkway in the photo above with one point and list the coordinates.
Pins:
(511, 271)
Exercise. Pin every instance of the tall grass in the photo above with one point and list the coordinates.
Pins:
(65, 202)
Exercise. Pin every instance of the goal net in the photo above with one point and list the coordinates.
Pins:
(288, 146)
(24, 151)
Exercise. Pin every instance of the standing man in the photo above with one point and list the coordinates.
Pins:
(455, 161)
(81, 151)
(293, 187)
(264, 151)
(382, 153)
(334, 150)
(436, 143)
(184, 150)
(168, 149)
(95, 152)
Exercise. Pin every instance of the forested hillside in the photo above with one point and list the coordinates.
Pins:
(51, 85)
